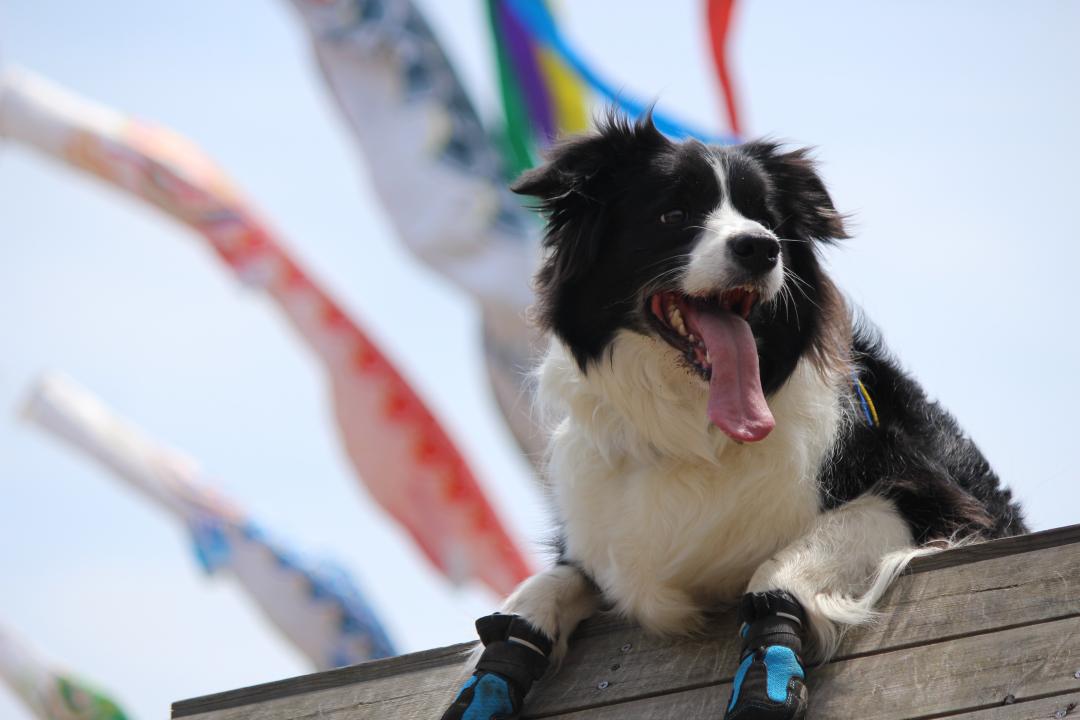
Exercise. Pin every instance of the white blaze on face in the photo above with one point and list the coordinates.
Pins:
(712, 267)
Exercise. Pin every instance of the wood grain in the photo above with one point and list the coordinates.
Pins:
(449, 657)
(407, 696)
(1056, 537)
(928, 681)
(975, 598)
(933, 680)
(1055, 707)
(990, 599)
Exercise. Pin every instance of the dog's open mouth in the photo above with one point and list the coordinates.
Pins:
(670, 311)
(713, 335)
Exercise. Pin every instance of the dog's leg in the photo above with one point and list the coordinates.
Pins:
(811, 590)
(521, 642)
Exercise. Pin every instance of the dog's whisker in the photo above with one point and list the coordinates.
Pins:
(801, 285)
(790, 305)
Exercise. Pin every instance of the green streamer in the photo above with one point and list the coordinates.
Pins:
(517, 141)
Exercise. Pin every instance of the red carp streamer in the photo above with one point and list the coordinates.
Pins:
(720, 12)
(397, 447)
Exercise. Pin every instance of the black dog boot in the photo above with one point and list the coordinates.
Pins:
(515, 656)
(770, 682)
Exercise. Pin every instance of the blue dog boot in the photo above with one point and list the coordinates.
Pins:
(770, 683)
(515, 656)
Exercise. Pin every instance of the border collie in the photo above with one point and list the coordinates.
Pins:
(724, 432)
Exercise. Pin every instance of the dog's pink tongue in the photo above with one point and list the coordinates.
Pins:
(736, 403)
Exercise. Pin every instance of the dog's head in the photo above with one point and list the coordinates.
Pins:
(711, 250)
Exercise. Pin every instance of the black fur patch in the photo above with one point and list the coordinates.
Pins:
(603, 195)
(918, 457)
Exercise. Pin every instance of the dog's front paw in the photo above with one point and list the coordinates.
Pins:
(769, 685)
(486, 696)
(515, 656)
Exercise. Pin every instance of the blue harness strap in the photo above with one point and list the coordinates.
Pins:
(865, 401)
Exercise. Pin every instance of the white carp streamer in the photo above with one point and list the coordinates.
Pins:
(315, 606)
(48, 692)
(438, 173)
(399, 450)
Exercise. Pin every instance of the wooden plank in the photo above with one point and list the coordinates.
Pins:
(697, 704)
(975, 598)
(404, 665)
(421, 695)
(979, 671)
(1044, 539)
(1040, 585)
(929, 681)
(993, 589)
(1055, 707)
(978, 597)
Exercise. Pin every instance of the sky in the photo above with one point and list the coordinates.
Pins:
(946, 130)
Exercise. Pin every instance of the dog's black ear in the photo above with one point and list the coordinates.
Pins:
(799, 197)
(581, 176)
(576, 166)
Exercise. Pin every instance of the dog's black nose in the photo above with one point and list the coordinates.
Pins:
(755, 253)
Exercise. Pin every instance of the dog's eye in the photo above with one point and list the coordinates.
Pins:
(673, 217)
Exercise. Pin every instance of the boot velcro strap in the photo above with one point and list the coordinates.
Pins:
(514, 628)
(771, 618)
(491, 628)
(520, 665)
(773, 630)
(514, 649)
(755, 606)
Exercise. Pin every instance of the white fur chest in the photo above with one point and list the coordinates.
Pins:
(661, 509)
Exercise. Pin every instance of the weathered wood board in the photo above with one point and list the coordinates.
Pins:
(986, 631)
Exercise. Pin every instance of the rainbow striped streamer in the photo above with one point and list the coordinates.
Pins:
(542, 97)
(316, 606)
(534, 19)
(47, 692)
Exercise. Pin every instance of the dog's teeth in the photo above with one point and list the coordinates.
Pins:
(676, 320)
